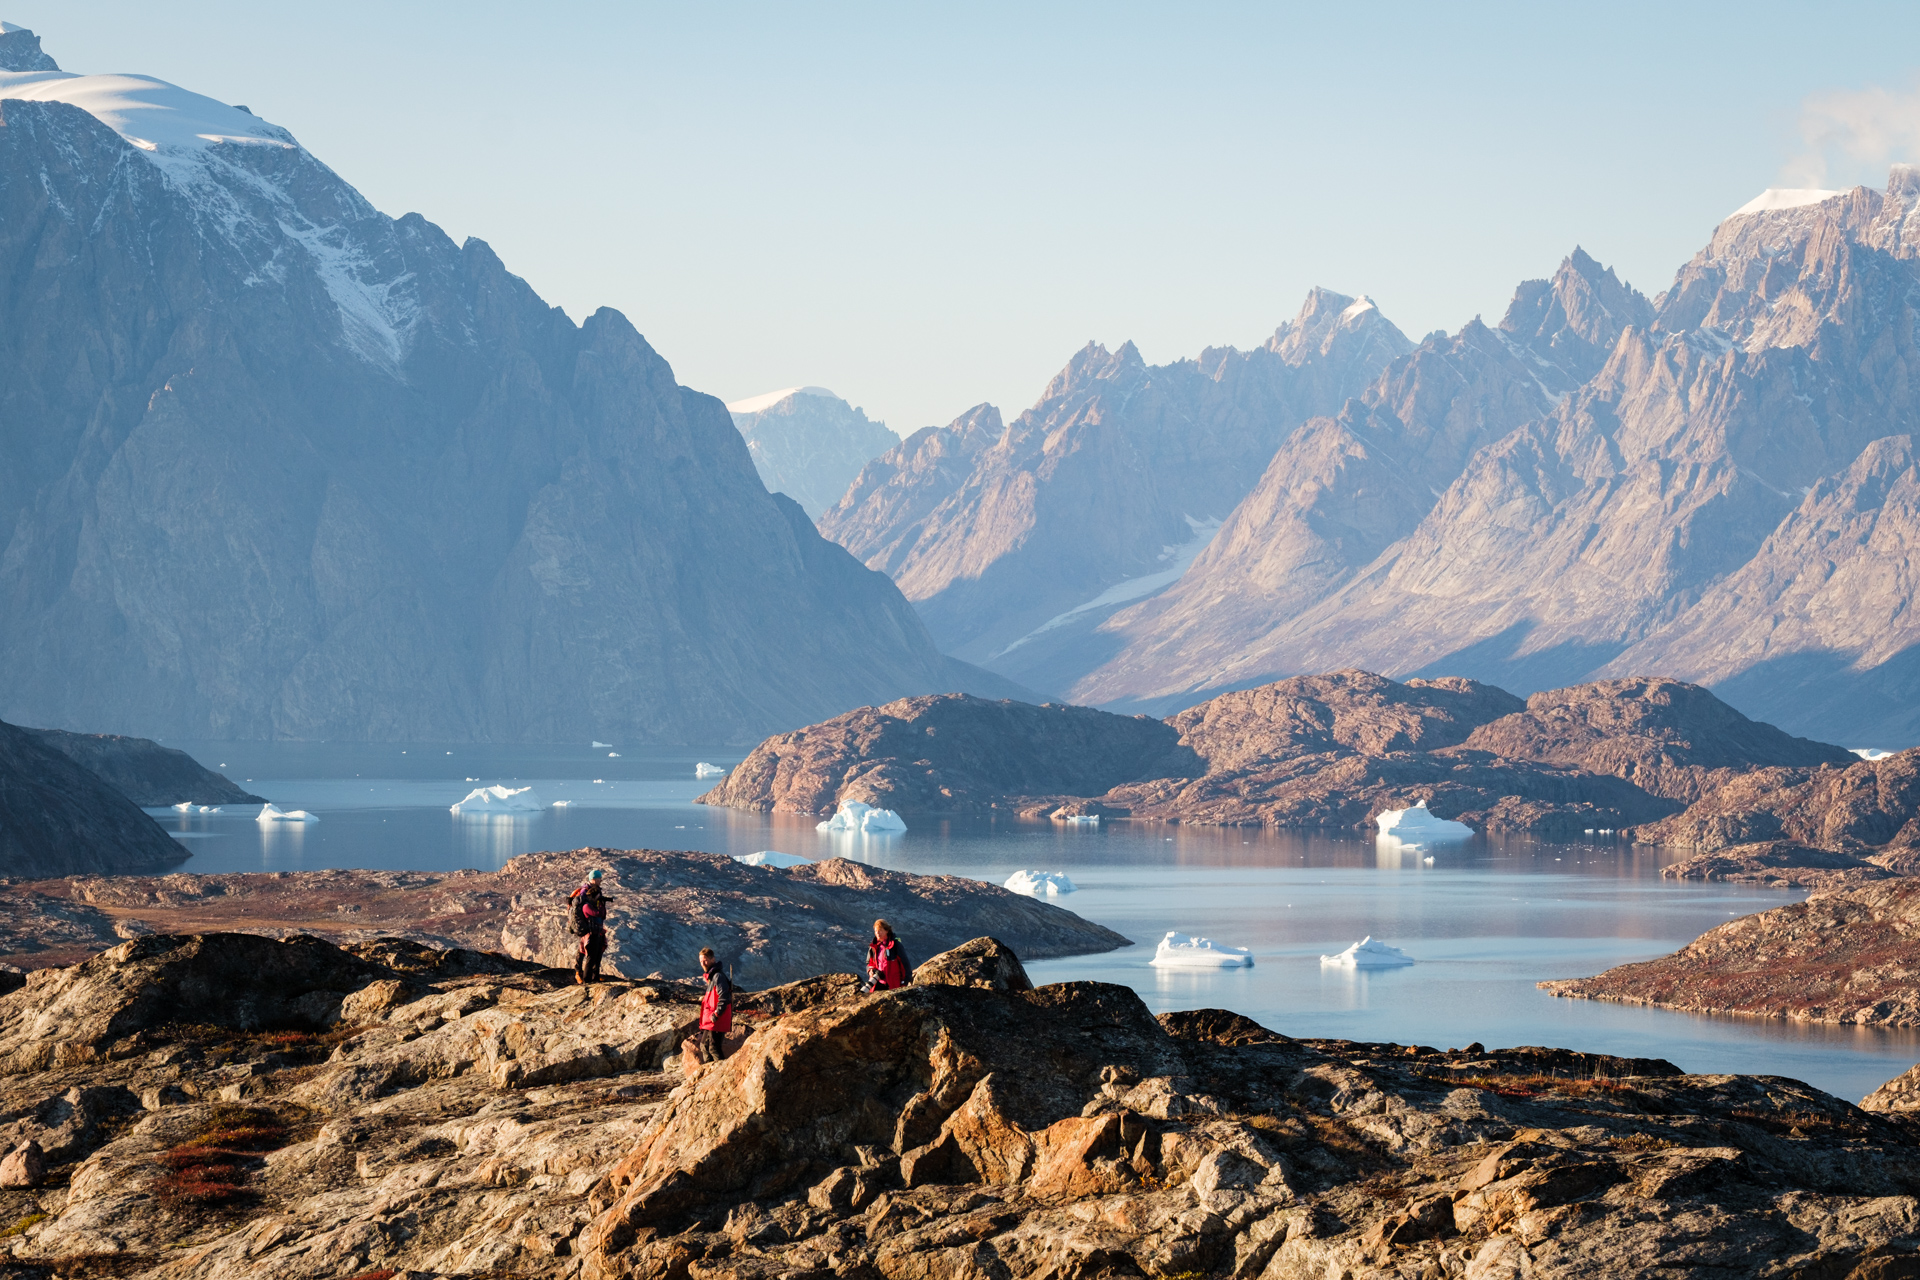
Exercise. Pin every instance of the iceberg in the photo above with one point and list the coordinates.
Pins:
(603, 745)
(497, 799)
(1178, 951)
(613, 755)
(559, 804)
(1050, 883)
(771, 858)
(854, 816)
(273, 813)
(1417, 826)
(1368, 954)
(1080, 819)
(188, 806)
(705, 770)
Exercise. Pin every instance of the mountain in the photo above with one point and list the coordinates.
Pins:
(143, 771)
(1015, 540)
(59, 818)
(273, 464)
(808, 443)
(1723, 494)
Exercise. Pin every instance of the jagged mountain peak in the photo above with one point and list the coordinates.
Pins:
(1329, 320)
(1573, 320)
(1092, 363)
(20, 50)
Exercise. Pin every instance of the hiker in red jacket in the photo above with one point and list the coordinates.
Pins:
(887, 967)
(587, 910)
(716, 1007)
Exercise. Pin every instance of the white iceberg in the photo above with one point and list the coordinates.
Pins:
(1417, 826)
(603, 745)
(854, 816)
(1178, 951)
(559, 804)
(1050, 883)
(613, 755)
(771, 858)
(188, 806)
(705, 770)
(1368, 954)
(1080, 819)
(498, 799)
(273, 813)
(1871, 753)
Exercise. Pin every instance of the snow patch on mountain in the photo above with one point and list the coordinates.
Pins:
(1177, 559)
(754, 404)
(1784, 198)
(151, 114)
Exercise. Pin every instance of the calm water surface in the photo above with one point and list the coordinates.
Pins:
(1485, 919)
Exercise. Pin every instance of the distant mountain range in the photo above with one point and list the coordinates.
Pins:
(273, 464)
(808, 443)
(1717, 484)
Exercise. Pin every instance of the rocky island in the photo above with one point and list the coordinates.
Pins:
(1330, 750)
(223, 1105)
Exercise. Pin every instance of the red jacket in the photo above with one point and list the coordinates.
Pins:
(716, 1006)
(888, 961)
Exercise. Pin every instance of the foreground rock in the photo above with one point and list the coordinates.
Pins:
(59, 818)
(145, 772)
(1331, 750)
(1842, 956)
(772, 925)
(228, 1106)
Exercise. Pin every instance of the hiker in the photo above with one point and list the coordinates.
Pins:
(887, 967)
(716, 1007)
(588, 908)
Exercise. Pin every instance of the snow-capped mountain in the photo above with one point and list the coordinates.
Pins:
(808, 443)
(275, 464)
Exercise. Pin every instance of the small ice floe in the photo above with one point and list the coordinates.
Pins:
(559, 804)
(1081, 819)
(273, 813)
(498, 799)
(1417, 826)
(1870, 753)
(1368, 954)
(1178, 951)
(705, 770)
(602, 745)
(613, 755)
(1049, 884)
(854, 816)
(771, 858)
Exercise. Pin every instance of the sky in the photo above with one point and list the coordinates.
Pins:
(924, 207)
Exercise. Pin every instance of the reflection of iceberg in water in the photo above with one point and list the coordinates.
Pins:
(867, 820)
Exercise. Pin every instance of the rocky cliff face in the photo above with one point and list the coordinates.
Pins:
(59, 818)
(809, 444)
(274, 464)
(1115, 476)
(1713, 486)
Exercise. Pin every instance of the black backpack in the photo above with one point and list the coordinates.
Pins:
(577, 915)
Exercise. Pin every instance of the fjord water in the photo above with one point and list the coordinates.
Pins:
(1485, 919)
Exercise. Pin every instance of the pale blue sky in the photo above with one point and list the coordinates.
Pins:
(924, 206)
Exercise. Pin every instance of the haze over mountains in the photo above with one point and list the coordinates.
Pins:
(1716, 484)
(273, 464)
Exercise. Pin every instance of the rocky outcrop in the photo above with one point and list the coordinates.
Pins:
(949, 754)
(299, 469)
(59, 818)
(1843, 956)
(143, 771)
(771, 925)
(1778, 864)
(1118, 473)
(395, 1109)
(1867, 805)
(1311, 751)
(809, 444)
